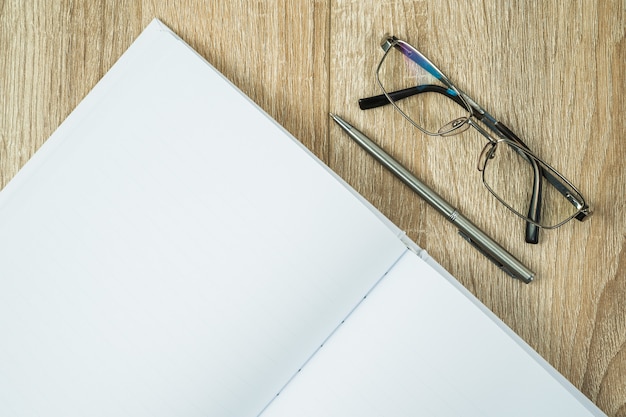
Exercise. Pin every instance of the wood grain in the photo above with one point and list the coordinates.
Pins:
(554, 72)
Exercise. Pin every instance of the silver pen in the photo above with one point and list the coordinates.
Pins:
(468, 230)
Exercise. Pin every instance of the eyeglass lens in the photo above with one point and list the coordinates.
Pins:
(432, 109)
(509, 172)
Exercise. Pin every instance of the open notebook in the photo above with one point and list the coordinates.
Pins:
(172, 251)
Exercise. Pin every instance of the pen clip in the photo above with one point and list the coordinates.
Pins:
(491, 258)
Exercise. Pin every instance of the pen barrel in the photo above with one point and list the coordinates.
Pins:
(472, 233)
(493, 250)
(475, 236)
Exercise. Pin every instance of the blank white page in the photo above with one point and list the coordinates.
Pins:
(416, 346)
(172, 251)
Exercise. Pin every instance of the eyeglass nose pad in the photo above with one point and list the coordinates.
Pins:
(454, 127)
(487, 153)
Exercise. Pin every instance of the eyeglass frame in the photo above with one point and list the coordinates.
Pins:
(459, 125)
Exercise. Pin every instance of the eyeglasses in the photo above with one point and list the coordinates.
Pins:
(511, 172)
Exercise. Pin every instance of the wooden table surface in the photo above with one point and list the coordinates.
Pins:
(554, 72)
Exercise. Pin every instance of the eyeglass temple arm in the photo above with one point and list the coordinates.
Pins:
(382, 100)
